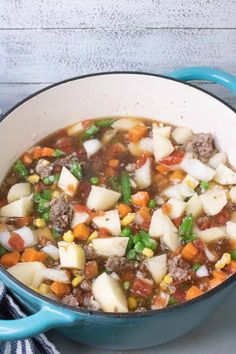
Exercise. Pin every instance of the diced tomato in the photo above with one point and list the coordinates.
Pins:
(103, 233)
(16, 242)
(141, 161)
(91, 270)
(86, 124)
(179, 295)
(198, 243)
(65, 144)
(173, 159)
(178, 221)
(128, 275)
(61, 133)
(142, 287)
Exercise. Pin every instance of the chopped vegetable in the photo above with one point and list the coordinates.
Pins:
(123, 210)
(189, 251)
(125, 187)
(76, 170)
(104, 123)
(91, 131)
(204, 185)
(140, 198)
(193, 292)
(9, 259)
(94, 180)
(21, 169)
(186, 229)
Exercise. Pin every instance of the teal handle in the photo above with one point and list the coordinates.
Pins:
(204, 73)
(46, 318)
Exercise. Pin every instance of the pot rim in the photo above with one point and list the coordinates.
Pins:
(176, 307)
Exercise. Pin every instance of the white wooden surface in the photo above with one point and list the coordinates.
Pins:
(46, 41)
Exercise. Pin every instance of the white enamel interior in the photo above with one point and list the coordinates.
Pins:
(114, 95)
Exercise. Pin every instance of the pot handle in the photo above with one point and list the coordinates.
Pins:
(46, 318)
(204, 73)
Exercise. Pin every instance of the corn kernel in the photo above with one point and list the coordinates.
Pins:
(68, 236)
(168, 279)
(33, 179)
(55, 194)
(148, 252)
(39, 222)
(34, 288)
(128, 219)
(132, 303)
(190, 184)
(44, 288)
(226, 258)
(163, 285)
(77, 280)
(219, 265)
(92, 236)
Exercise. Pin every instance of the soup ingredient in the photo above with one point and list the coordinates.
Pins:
(193, 292)
(125, 187)
(143, 174)
(27, 273)
(113, 300)
(111, 246)
(157, 266)
(92, 146)
(21, 169)
(213, 200)
(182, 135)
(9, 259)
(162, 146)
(186, 229)
(19, 208)
(67, 182)
(224, 175)
(109, 220)
(18, 191)
(160, 224)
(71, 255)
(101, 198)
(202, 145)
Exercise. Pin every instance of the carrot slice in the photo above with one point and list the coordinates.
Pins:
(81, 232)
(176, 176)
(162, 169)
(114, 163)
(137, 132)
(42, 152)
(31, 255)
(189, 251)
(60, 289)
(10, 259)
(166, 208)
(27, 159)
(123, 210)
(193, 292)
(140, 198)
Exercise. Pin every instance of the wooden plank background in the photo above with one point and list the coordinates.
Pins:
(42, 42)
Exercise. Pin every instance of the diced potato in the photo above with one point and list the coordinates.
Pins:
(4, 237)
(75, 129)
(28, 235)
(212, 234)
(108, 135)
(109, 294)
(59, 275)
(162, 147)
(162, 131)
(173, 192)
(171, 240)
(231, 232)
(194, 206)
(160, 224)
(79, 218)
(134, 149)
(177, 208)
(110, 221)
(182, 135)
(232, 194)
(101, 198)
(67, 182)
(217, 159)
(92, 146)
(190, 181)
(143, 176)
(18, 191)
(52, 251)
(110, 246)
(71, 255)
(20, 208)
(224, 175)
(29, 273)
(197, 169)
(146, 145)
(157, 266)
(44, 232)
(213, 201)
(125, 123)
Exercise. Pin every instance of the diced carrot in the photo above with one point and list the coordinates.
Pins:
(42, 152)
(103, 233)
(189, 251)
(109, 171)
(123, 210)
(163, 169)
(178, 221)
(219, 274)
(60, 289)
(137, 132)
(176, 176)
(26, 220)
(166, 208)
(27, 159)
(160, 301)
(193, 292)
(9, 259)
(32, 255)
(81, 232)
(114, 163)
(144, 212)
(231, 267)
(140, 198)
(16, 242)
(91, 270)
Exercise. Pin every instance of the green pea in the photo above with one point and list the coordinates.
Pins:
(94, 180)
(47, 194)
(130, 244)
(131, 255)
(2, 251)
(37, 197)
(126, 232)
(48, 180)
(152, 203)
(41, 206)
(45, 216)
(233, 255)
(126, 285)
(91, 131)
(136, 238)
(139, 247)
(196, 266)
(56, 178)
(204, 185)
(150, 243)
(172, 301)
(58, 153)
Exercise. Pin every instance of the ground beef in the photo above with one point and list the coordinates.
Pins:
(86, 285)
(90, 303)
(179, 269)
(70, 300)
(43, 169)
(202, 146)
(66, 161)
(61, 212)
(115, 264)
(90, 254)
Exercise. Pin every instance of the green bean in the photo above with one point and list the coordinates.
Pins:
(104, 122)
(76, 170)
(91, 131)
(125, 187)
(21, 169)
